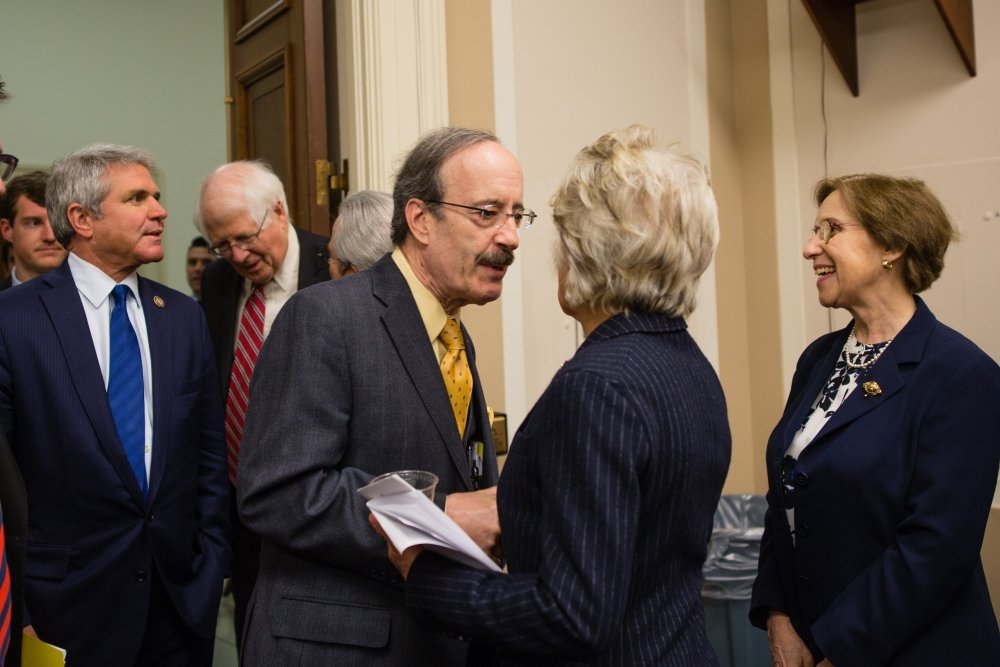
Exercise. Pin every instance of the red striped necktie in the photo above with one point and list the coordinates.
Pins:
(6, 600)
(248, 344)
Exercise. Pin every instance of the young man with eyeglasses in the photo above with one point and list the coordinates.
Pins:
(242, 212)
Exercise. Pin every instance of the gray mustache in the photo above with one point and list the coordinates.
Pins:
(499, 257)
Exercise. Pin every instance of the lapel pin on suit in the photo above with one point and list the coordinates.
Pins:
(158, 300)
(871, 388)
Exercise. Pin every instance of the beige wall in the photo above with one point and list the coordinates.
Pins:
(470, 104)
(140, 72)
(743, 172)
(577, 70)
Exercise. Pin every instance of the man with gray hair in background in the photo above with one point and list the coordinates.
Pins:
(243, 213)
(352, 384)
(362, 233)
(109, 402)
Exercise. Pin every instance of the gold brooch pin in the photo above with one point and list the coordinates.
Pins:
(871, 388)
(158, 300)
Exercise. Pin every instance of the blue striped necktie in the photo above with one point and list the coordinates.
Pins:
(6, 599)
(125, 387)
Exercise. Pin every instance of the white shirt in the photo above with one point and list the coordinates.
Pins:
(95, 294)
(277, 291)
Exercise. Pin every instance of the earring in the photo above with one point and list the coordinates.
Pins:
(886, 264)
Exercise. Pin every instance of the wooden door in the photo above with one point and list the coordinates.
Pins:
(283, 97)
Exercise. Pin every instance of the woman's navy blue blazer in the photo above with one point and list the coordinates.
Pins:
(891, 501)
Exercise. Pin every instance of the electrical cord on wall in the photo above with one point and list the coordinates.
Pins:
(822, 106)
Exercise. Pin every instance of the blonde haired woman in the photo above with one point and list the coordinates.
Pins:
(607, 498)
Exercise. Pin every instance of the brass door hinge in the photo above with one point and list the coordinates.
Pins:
(327, 179)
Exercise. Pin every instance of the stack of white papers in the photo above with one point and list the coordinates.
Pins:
(409, 518)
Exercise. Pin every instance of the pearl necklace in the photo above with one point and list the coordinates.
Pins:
(868, 364)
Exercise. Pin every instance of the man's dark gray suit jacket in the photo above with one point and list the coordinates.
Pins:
(347, 386)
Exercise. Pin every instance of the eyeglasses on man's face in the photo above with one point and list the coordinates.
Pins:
(492, 216)
(8, 163)
(225, 249)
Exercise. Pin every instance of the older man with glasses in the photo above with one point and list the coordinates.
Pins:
(371, 374)
(243, 214)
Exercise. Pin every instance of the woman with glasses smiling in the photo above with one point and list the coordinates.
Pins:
(882, 468)
(607, 497)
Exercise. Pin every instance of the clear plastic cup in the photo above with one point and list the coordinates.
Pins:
(421, 480)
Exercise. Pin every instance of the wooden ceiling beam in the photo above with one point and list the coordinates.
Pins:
(835, 20)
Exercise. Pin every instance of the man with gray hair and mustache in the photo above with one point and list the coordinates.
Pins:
(351, 384)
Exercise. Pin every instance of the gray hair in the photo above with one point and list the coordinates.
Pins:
(637, 226)
(249, 186)
(81, 178)
(420, 175)
(364, 235)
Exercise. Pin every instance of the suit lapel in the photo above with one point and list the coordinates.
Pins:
(63, 305)
(906, 348)
(890, 381)
(818, 377)
(312, 259)
(482, 418)
(408, 335)
(223, 320)
(161, 363)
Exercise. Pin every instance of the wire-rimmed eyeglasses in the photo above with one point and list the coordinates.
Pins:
(523, 218)
(8, 163)
(225, 249)
(825, 230)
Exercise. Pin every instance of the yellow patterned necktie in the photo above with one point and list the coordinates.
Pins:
(456, 372)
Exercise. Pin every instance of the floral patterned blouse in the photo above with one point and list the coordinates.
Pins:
(842, 382)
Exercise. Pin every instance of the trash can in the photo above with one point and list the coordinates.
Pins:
(730, 570)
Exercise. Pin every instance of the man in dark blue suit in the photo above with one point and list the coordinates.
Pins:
(127, 538)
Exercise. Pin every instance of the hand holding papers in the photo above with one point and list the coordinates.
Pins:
(409, 518)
